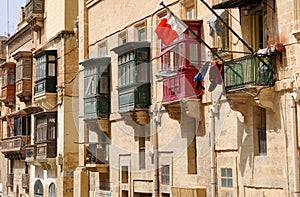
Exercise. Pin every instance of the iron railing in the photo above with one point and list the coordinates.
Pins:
(249, 70)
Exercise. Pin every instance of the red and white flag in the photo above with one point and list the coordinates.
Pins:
(170, 28)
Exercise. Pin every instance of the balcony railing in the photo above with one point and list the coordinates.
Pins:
(25, 181)
(249, 71)
(10, 180)
(46, 150)
(14, 145)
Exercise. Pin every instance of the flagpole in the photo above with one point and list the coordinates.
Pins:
(199, 39)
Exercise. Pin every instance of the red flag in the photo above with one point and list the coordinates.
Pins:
(170, 28)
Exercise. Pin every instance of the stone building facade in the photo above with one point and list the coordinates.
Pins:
(158, 128)
(38, 135)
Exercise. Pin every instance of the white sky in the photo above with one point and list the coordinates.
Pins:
(14, 11)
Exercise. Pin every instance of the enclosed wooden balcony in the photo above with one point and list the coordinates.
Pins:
(25, 181)
(97, 97)
(8, 94)
(14, 147)
(44, 151)
(10, 180)
(180, 63)
(97, 158)
(24, 75)
(134, 80)
(34, 13)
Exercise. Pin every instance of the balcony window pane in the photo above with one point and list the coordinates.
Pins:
(52, 133)
(4, 71)
(11, 79)
(104, 85)
(51, 69)
(19, 71)
(142, 68)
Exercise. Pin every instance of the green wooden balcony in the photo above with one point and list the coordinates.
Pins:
(249, 71)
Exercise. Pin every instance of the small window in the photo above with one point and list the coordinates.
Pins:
(259, 30)
(52, 192)
(165, 175)
(122, 38)
(124, 174)
(142, 141)
(191, 13)
(142, 34)
(226, 178)
(38, 189)
(141, 31)
(102, 50)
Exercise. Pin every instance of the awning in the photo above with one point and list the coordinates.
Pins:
(235, 4)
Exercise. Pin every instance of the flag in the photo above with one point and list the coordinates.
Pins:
(200, 75)
(170, 28)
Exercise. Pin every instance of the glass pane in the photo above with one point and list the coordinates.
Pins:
(142, 34)
(229, 182)
(19, 72)
(51, 69)
(11, 79)
(223, 172)
(229, 172)
(52, 133)
(4, 77)
(223, 182)
(132, 72)
(104, 85)
(142, 72)
(193, 54)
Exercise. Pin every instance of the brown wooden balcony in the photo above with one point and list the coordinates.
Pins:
(25, 181)
(8, 90)
(23, 89)
(10, 180)
(24, 75)
(14, 147)
(34, 11)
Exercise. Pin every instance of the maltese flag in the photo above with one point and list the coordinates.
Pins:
(170, 28)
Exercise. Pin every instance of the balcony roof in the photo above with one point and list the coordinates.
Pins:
(128, 46)
(102, 61)
(235, 4)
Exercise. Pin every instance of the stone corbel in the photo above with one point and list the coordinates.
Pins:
(266, 98)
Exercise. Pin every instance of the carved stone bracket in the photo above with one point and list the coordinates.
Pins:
(137, 116)
(174, 110)
(185, 107)
(259, 96)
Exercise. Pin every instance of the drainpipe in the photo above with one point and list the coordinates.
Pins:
(155, 121)
(295, 143)
(212, 152)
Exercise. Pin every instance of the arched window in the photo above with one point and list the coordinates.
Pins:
(52, 192)
(38, 189)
